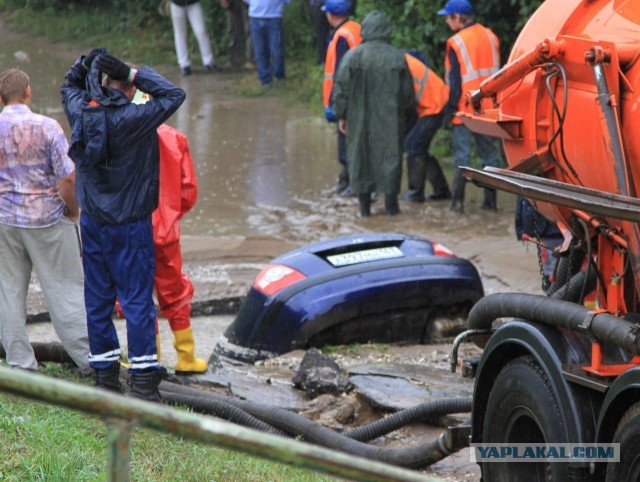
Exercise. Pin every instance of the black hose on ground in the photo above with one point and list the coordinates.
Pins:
(46, 352)
(220, 409)
(604, 327)
(419, 413)
(415, 457)
(279, 421)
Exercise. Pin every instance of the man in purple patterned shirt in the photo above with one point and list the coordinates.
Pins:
(38, 230)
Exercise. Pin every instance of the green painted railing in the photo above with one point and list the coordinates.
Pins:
(121, 414)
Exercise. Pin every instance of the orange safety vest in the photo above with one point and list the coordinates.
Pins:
(349, 30)
(431, 91)
(478, 51)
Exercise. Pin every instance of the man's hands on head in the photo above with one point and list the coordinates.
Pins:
(113, 67)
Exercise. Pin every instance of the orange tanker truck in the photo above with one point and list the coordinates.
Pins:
(561, 377)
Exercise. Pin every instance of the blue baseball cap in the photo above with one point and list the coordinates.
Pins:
(462, 7)
(337, 7)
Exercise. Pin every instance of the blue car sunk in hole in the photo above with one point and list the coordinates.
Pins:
(382, 288)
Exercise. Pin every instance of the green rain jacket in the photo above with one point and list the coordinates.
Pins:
(373, 91)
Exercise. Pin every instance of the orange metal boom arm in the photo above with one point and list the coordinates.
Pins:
(516, 70)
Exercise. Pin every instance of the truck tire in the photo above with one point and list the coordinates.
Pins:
(523, 408)
(628, 436)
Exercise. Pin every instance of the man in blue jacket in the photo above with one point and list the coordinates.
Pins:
(114, 144)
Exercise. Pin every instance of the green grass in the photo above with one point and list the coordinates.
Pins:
(144, 38)
(42, 442)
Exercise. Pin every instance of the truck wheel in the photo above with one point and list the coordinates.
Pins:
(523, 408)
(628, 436)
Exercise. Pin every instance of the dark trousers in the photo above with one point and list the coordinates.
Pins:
(321, 30)
(268, 43)
(240, 48)
(119, 261)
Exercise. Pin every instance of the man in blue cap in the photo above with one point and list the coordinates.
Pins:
(345, 35)
(472, 55)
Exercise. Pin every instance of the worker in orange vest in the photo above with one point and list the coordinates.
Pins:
(345, 35)
(472, 55)
(431, 96)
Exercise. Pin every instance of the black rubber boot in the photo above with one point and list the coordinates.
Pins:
(144, 385)
(436, 178)
(343, 180)
(365, 204)
(489, 203)
(457, 199)
(391, 206)
(108, 378)
(416, 175)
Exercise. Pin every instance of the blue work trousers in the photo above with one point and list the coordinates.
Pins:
(268, 46)
(119, 261)
(418, 139)
(485, 145)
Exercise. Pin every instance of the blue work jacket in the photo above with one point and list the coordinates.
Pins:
(114, 142)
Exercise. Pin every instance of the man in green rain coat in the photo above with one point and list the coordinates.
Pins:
(373, 96)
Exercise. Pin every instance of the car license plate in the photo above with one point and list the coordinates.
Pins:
(365, 256)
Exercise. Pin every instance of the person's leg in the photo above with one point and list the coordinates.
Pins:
(196, 19)
(343, 177)
(132, 259)
(236, 49)
(488, 153)
(365, 204)
(99, 298)
(415, 146)
(391, 206)
(436, 178)
(56, 253)
(249, 53)
(487, 150)
(15, 273)
(461, 155)
(321, 28)
(261, 49)
(434, 173)
(179, 22)
(132, 256)
(175, 291)
(276, 47)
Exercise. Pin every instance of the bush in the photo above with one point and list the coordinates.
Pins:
(417, 24)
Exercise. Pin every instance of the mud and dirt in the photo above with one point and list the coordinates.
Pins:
(266, 172)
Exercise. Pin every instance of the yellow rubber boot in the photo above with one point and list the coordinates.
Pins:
(184, 344)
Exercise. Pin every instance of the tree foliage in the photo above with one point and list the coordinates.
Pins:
(417, 24)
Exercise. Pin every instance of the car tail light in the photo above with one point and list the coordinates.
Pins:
(440, 250)
(276, 277)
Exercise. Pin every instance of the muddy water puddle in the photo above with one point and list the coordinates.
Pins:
(263, 167)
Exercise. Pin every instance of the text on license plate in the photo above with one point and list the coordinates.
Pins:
(365, 256)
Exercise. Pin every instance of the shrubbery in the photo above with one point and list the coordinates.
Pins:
(416, 24)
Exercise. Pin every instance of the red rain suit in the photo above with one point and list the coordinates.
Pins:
(178, 193)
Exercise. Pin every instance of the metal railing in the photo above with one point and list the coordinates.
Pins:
(121, 414)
